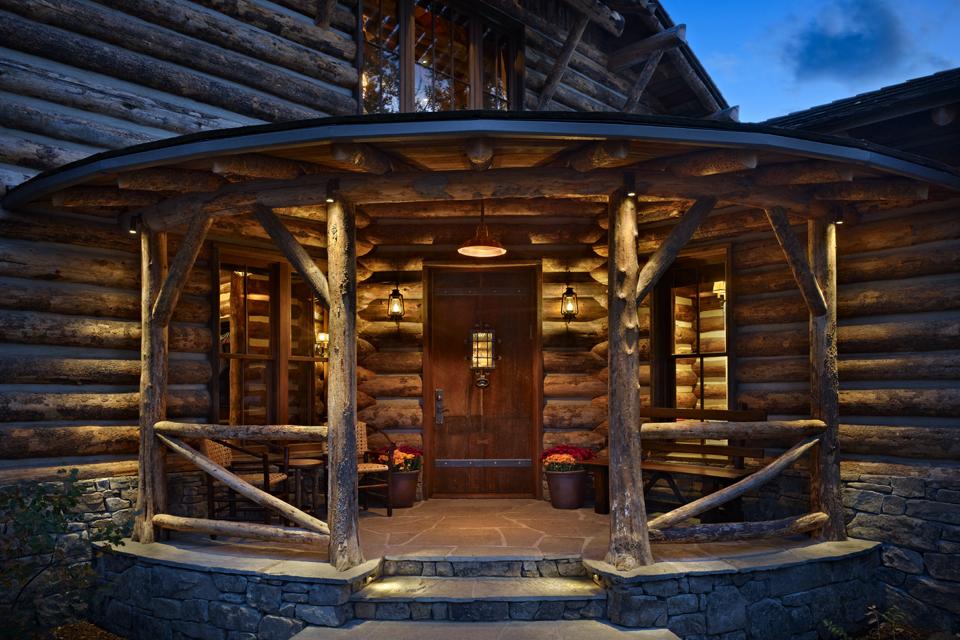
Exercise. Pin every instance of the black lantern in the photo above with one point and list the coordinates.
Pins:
(482, 355)
(395, 305)
(569, 308)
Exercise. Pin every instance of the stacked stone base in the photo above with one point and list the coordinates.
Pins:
(163, 595)
(790, 594)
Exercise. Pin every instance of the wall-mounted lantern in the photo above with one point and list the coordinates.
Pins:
(482, 355)
(395, 305)
(569, 307)
(720, 290)
(322, 345)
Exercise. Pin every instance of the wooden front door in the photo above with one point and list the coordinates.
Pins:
(482, 442)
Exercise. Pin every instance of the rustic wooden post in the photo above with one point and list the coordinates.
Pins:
(825, 489)
(629, 540)
(152, 493)
(342, 387)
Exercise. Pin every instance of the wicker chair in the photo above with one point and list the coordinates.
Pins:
(259, 473)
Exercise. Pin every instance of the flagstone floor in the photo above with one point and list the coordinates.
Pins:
(517, 528)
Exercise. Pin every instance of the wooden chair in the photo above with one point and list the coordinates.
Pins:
(257, 471)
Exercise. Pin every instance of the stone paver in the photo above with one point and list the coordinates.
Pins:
(549, 630)
(429, 589)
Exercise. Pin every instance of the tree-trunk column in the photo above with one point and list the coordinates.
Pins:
(824, 379)
(152, 493)
(342, 387)
(629, 541)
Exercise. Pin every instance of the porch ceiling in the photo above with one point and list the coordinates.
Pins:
(422, 165)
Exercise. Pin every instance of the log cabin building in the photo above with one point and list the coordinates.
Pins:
(212, 204)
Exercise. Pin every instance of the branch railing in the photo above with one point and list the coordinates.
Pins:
(310, 530)
(663, 528)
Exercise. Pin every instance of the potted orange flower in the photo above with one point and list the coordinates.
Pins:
(404, 474)
(566, 477)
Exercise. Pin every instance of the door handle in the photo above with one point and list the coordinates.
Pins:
(438, 406)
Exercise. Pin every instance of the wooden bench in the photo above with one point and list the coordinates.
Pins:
(717, 465)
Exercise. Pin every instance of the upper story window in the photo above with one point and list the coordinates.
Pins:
(426, 55)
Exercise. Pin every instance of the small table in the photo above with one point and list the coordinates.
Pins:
(600, 468)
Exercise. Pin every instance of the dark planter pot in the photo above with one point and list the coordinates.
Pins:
(567, 488)
(403, 488)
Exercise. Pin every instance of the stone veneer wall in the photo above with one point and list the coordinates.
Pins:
(788, 600)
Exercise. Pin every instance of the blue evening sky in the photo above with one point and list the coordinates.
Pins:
(776, 56)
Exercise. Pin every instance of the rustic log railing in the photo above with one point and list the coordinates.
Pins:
(241, 486)
(662, 527)
(160, 294)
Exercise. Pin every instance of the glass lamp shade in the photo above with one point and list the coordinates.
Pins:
(395, 305)
(720, 289)
(482, 245)
(323, 344)
(482, 356)
(569, 307)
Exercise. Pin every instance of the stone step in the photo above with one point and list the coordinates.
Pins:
(490, 567)
(479, 599)
(507, 630)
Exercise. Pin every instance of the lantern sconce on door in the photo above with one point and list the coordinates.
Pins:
(482, 354)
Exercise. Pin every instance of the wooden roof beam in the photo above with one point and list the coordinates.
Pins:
(709, 163)
(632, 102)
(480, 153)
(261, 166)
(599, 13)
(874, 189)
(640, 50)
(182, 180)
(805, 172)
(362, 156)
(560, 64)
(597, 155)
(325, 11)
(294, 252)
(667, 252)
(102, 197)
(796, 257)
(730, 114)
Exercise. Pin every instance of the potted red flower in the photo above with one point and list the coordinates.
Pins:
(404, 474)
(566, 476)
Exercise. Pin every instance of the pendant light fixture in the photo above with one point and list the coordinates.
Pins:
(482, 244)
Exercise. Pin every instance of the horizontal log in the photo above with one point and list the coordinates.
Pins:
(737, 489)
(385, 362)
(508, 234)
(708, 163)
(17, 368)
(242, 36)
(243, 431)
(51, 469)
(47, 119)
(901, 231)
(572, 414)
(83, 265)
(386, 334)
(934, 365)
(732, 430)
(772, 401)
(365, 400)
(89, 300)
(376, 311)
(244, 488)
(22, 406)
(72, 88)
(573, 385)
(148, 38)
(803, 172)
(733, 531)
(900, 402)
(37, 440)
(31, 327)
(102, 197)
(575, 335)
(94, 53)
(38, 152)
(393, 386)
(383, 439)
(588, 308)
(393, 414)
(595, 440)
(584, 208)
(246, 530)
(572, 362)
(715, 227)
(938, 443)
(162, 179)
(874, 189)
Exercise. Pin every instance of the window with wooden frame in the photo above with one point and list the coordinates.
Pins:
(270, 355)
(428, 55)
(690, 333)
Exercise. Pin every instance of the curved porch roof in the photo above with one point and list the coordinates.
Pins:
(671, 159)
